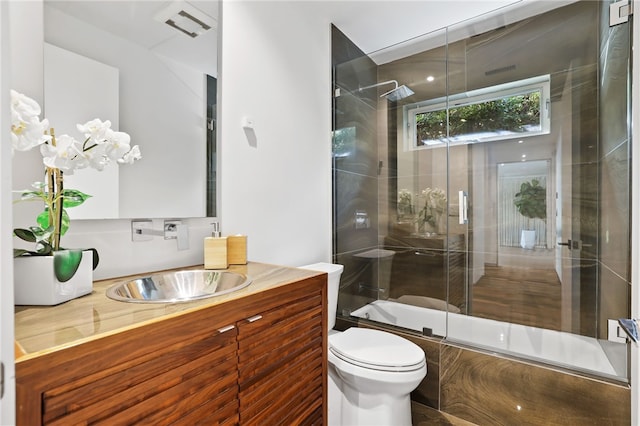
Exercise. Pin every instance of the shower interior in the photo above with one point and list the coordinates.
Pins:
(427, 217)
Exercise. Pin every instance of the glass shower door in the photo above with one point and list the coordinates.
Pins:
(546, 202)
(496, 195)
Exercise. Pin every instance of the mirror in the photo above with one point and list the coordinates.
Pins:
(159, 86)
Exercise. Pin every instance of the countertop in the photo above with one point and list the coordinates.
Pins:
(44, 329)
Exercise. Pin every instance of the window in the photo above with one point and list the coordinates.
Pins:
(505, 111)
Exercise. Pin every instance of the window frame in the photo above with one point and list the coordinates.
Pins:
(487, 94)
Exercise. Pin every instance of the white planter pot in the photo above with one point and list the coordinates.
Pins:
(35, 282)
(528, 239)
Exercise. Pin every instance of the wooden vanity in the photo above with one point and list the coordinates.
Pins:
(255, 356)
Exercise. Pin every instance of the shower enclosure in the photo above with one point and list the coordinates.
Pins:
(494, 194)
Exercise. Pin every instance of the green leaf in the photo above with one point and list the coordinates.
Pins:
(20, 252)
(43, 220)
(25, 234)
(96, 258)
(73, 197)
(66, 263)
(66, 221)
(531, 200)
(43, 249)
(31, 195)
(41, 234)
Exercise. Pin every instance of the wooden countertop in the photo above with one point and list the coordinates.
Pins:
(44, 329)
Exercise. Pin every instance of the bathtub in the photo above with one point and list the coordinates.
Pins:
(567, 350)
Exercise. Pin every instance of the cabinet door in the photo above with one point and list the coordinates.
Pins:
(280, 364)
(194, 382)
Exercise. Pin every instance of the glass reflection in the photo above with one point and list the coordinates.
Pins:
(533, 235)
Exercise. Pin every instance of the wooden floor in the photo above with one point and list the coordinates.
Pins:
(524, 296)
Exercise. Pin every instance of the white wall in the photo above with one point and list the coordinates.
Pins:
(276, 187)
(7, 403)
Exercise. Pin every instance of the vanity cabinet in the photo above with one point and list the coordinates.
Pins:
(258, 359)
(280, 364)
(194, 380)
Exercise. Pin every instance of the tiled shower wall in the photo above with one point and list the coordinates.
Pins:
(355, 167)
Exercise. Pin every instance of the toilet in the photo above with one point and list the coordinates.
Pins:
(380, 262)
(371, 372)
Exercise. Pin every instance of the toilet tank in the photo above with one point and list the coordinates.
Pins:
(333, 284)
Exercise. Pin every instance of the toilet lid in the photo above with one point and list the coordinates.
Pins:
(377, 350)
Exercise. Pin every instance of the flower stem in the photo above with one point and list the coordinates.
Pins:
(55, 191)
(58, 210)
(51, 183)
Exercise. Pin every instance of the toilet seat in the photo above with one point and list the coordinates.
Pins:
(376, 350)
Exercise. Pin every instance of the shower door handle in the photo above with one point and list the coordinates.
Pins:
(574, 244)
(462, 208)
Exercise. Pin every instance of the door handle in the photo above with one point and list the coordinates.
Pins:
(574, 245)
(462, 208)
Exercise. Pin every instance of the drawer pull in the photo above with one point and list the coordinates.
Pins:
(225, 329)
(254, 318)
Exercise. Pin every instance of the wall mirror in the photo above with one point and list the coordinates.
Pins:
(150, 67)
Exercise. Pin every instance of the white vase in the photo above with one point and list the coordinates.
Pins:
(528, 239)
(35, 283)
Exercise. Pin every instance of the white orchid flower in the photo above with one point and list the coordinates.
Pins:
(62, 156)
(66, 155)
(131, 156)
(96, 129)
(117, 144)
(27, 131)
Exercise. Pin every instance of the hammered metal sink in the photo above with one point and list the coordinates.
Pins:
(179, 286)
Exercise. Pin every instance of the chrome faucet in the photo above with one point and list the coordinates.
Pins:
(142, 230)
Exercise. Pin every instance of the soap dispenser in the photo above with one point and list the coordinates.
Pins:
(215, 250)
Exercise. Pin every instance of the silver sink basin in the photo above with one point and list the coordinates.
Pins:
(179, 286)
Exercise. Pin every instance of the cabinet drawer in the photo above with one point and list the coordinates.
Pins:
(160, 389)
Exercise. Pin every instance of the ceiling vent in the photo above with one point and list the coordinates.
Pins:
(185, 18)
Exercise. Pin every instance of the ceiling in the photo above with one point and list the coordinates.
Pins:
(386, 29)
(379, 24)
(134, 21)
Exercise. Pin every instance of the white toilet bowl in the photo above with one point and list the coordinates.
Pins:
(371, 372)
(375, 373)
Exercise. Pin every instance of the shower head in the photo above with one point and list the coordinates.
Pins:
(395, 94)
(398, 93)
